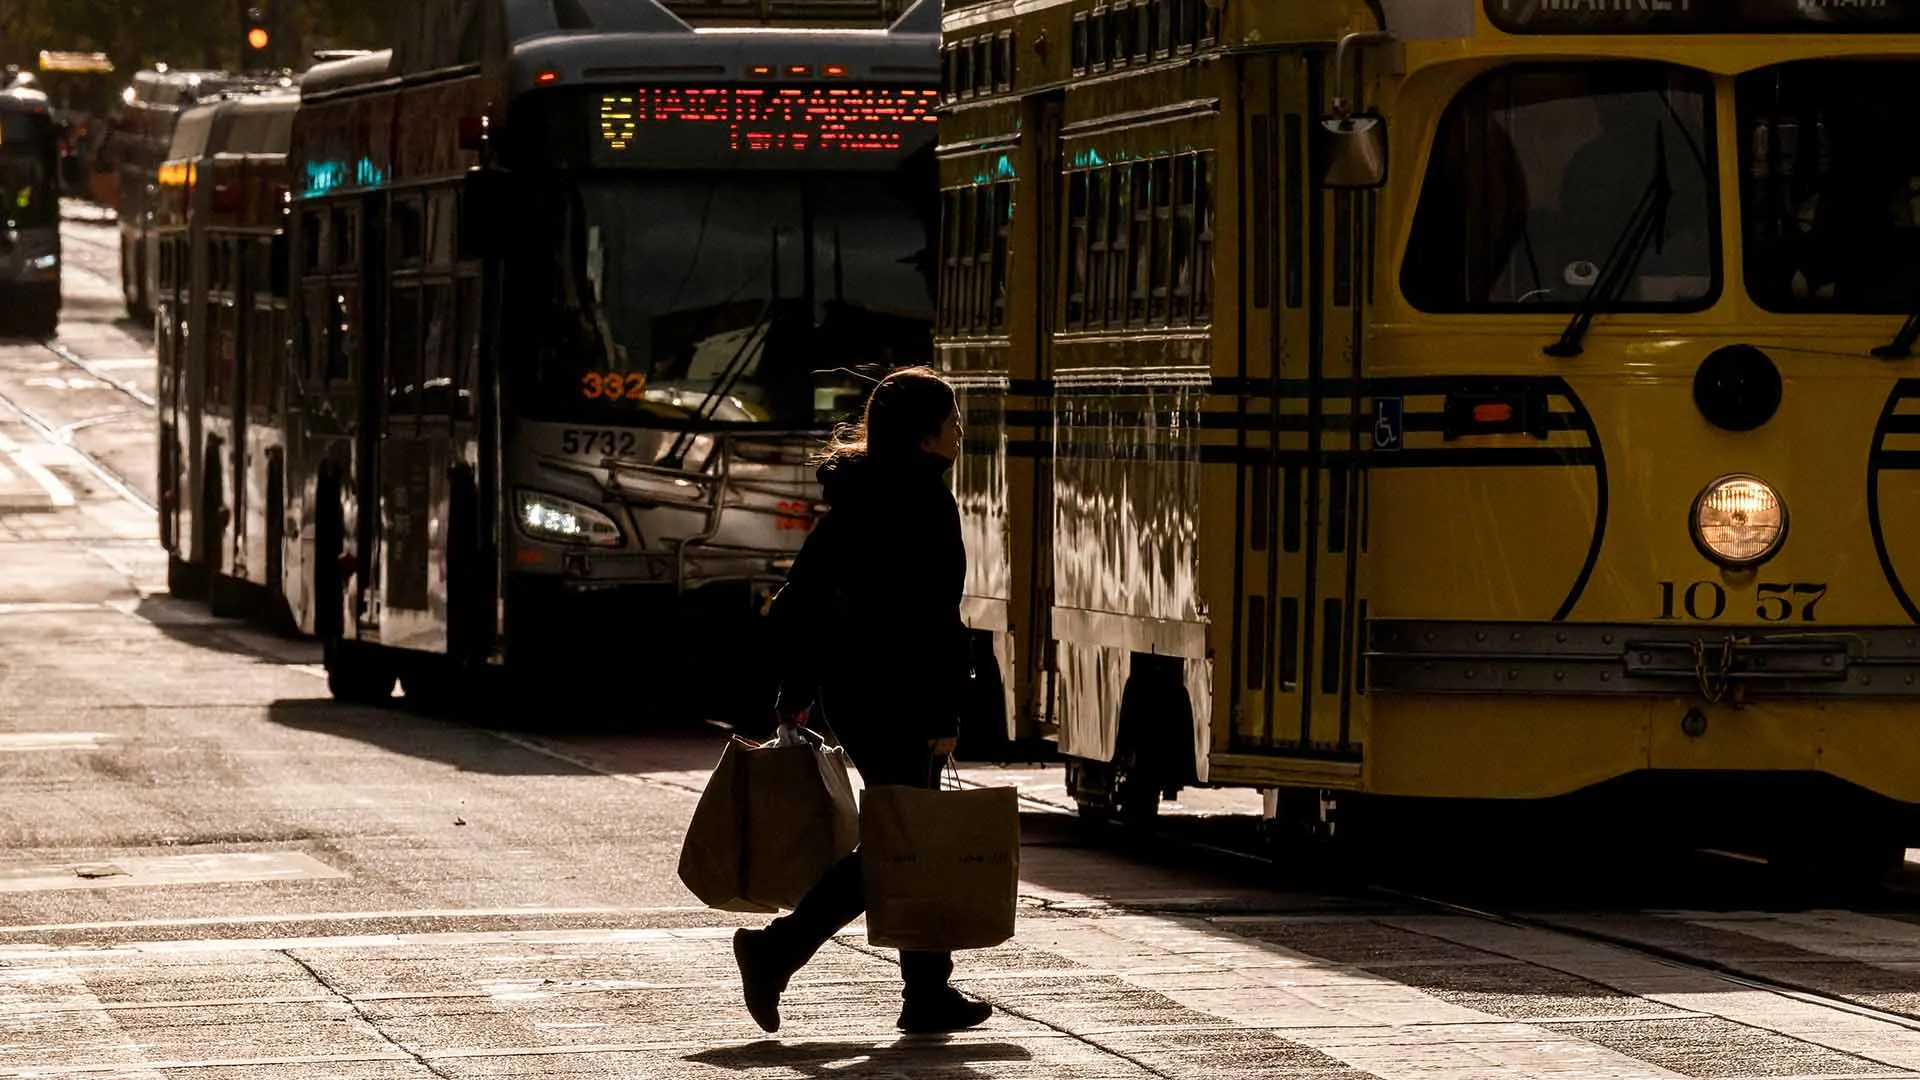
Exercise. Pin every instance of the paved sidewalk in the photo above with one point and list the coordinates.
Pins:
(1094, 994)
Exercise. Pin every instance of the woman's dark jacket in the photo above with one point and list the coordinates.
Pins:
(869, 620)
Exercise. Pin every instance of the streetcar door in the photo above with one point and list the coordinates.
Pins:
(1297, 604)
(1342, 431)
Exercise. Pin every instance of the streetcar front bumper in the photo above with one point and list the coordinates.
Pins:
(1528, 710)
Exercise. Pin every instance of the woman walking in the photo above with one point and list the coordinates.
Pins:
(870, 629)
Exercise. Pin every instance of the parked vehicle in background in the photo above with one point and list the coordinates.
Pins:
(30, 263)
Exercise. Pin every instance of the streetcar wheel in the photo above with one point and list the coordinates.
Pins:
(359, 674)
(1848, 862)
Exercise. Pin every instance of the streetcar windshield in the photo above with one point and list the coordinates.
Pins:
(27, 195)
(1538, 173)
(1830, 161)
(685, 296)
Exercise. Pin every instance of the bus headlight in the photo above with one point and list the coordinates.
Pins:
(1739, 521)
(550, 517)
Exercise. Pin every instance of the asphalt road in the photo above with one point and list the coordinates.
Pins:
(210, 871)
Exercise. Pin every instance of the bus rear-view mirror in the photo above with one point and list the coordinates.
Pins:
(1353, 151)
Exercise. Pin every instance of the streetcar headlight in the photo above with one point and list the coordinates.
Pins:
(550, 517)
(1739, 521)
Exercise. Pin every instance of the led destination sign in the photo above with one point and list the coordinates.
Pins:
(667, 126)
(1704, 16)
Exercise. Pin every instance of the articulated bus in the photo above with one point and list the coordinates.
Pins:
(1433, 405)
(220, 244)
(30, 208)
(578, 288)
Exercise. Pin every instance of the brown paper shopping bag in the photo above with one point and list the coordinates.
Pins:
(942, 868)
(771, 821)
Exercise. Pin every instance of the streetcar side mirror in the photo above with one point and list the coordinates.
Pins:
(1353, 151)
(487, 200)
(280, 267)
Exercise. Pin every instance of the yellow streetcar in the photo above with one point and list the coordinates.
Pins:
(1439, 403)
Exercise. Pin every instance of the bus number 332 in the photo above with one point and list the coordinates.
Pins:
(1707, 600)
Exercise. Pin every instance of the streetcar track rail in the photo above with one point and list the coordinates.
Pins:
(1727, 972)
(92, 371)
(1717, 969)
(63, 437)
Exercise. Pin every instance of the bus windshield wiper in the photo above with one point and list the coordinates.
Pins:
(750, 350)
(1646, 227)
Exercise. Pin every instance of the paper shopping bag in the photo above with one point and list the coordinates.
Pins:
(942, 868)
(772, 819)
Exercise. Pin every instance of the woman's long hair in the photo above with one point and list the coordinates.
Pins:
(907, 407)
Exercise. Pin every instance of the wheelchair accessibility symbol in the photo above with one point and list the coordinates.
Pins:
(1387, 427)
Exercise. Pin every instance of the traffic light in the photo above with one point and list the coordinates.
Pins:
(257, 36)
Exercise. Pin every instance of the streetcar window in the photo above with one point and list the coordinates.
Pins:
(1538, 171)
(1161, 239)
(1077, 249)
(1831, 203)
(1139, 243)
(1203, 238)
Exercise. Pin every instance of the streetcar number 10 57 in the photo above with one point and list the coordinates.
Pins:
(1706, 601)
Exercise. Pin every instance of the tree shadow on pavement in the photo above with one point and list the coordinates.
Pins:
(932, 1057)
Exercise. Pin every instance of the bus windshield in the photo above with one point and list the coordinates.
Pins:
(1830, 156)
(1538, 173)
(691, 297)
(27, 195)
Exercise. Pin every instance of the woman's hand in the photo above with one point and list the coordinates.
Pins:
(943, 747)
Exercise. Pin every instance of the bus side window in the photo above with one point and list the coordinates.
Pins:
(436, 356)
(403, 351)
(466, 372)
(409, 231)
(312, 243)
(343, 323)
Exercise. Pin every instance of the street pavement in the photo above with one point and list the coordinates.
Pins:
(212, 872)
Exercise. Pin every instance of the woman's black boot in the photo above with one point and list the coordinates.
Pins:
(764, 971)
(944, 1010)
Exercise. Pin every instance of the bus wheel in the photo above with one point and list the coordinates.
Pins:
(430, 686)
(359, 674)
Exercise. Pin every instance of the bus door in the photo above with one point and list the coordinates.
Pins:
(417, 416)
(1296, 595)
(370, 372)
(172, 387)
